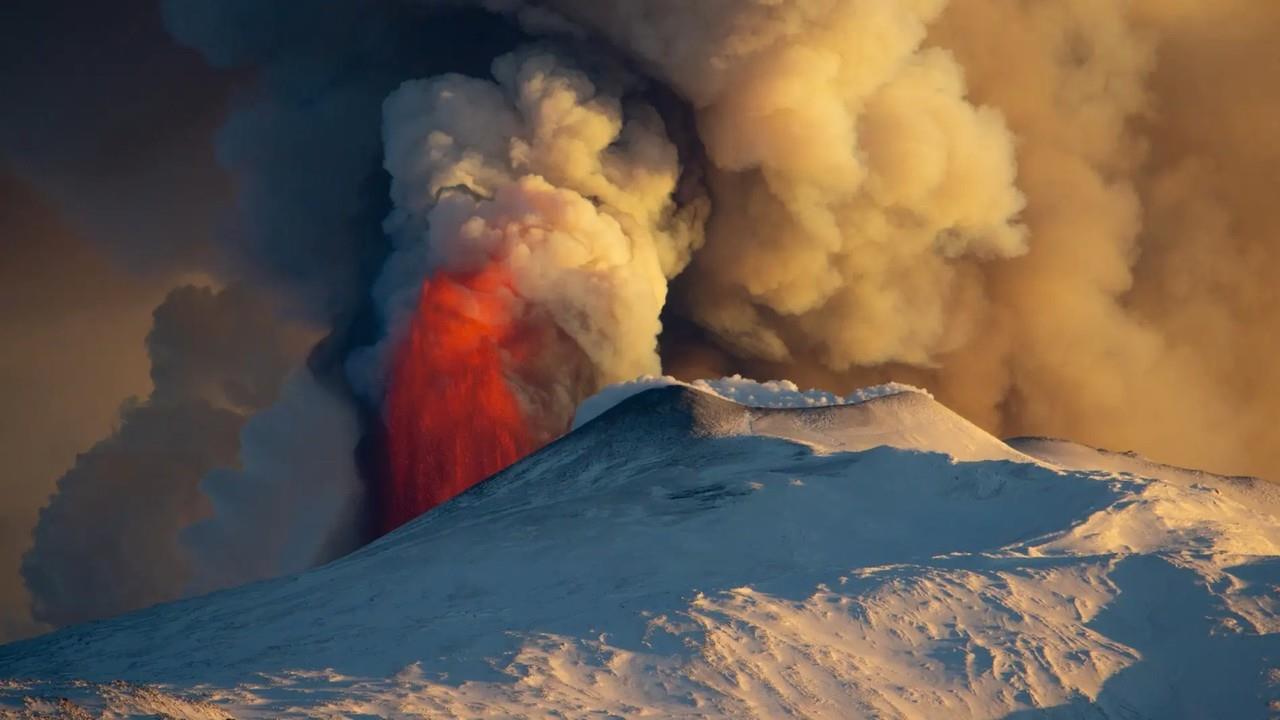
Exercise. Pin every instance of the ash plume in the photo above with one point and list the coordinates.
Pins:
(108, 541)
(563, 184)
(1051, 213)
(858, 191)
(302, 148)
(1055, 215)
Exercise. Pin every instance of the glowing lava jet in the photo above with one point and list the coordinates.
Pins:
(452, 417)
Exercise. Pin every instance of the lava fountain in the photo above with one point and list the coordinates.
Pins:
(452, 417)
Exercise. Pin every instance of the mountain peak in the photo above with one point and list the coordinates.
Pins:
(687, 555)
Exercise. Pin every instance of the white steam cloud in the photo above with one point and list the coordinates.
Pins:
(553, 177)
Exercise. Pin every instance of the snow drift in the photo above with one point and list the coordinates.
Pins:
(683, 555)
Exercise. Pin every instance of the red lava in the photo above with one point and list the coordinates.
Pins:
(452, 418)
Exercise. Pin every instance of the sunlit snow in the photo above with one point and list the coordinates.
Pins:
(684, 555)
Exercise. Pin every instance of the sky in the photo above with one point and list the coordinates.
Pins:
(109, 192)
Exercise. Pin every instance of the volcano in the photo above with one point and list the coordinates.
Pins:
(683, 555)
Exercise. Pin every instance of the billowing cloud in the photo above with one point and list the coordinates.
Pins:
(1024, 206)
(108, 541)
(547, 175)
(71, 348)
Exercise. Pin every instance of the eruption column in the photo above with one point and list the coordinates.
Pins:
(452, 418)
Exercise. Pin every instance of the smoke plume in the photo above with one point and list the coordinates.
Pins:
(302, 148)
(857, 190)
(559, 185)
(108, 541)
(108, 198)
(1055, 215)
(78, 305)
(1052, 213)
(295, 501)
(545, 173)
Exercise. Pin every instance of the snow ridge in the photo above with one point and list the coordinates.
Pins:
(683, 555)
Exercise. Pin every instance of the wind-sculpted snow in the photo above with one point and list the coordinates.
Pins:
(686, 556)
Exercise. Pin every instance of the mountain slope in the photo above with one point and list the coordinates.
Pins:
(686, 556)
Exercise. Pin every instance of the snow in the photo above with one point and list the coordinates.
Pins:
(683, 555)
(744, 391)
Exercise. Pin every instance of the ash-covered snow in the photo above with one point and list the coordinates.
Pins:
(686, 556)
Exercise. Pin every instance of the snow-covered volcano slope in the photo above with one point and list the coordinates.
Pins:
(685, 556)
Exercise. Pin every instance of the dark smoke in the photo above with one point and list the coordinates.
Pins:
(302, 147)
(108, 540)
(1023, 206)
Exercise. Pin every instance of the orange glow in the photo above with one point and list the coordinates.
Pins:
(452, 418)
